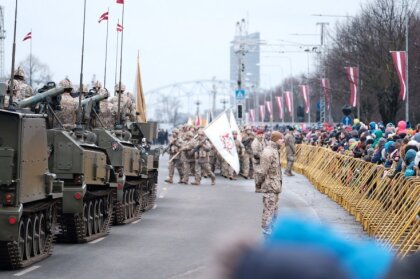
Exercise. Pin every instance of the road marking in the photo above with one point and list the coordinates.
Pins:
(135, 222)
(97, 240)
(23, 272)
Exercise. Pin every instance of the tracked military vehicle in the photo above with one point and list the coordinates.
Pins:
(29, 191)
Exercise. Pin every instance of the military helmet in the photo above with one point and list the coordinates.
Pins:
(189, 134)
(97, 84)
(234, 132)
(117, 87)
(19, 72)
(247, 128)
(84, 89)
(66, 84)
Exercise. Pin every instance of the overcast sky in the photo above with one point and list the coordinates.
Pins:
(178, 40)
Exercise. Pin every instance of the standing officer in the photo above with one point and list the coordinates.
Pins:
(289, 142)
(258, 146)
(247, 171)
(67, 113)
(19, 89)
(187, 157)
(201, 155)
(272, 184)
(174, 147)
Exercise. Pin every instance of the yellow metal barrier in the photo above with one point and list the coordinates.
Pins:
(388, 208)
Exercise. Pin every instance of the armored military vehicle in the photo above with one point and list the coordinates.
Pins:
(29, 192)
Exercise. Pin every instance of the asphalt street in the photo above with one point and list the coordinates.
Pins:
(180, 236)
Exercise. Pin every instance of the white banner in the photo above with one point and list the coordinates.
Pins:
(234, 125)
(219, 133)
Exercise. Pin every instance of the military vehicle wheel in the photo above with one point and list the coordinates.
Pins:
(96, 221)
(42, 232)
(36, 235)
(21, 239)
(28, 238)
(125, 204)
(85, 218)
(101, 213)
(90, 219)
(129, 204)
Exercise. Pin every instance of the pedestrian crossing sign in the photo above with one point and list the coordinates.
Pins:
(240, 94)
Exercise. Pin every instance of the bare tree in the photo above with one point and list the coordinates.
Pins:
(38, 74)
(168, 109)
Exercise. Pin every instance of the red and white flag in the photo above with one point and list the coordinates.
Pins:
(252, 115)
(197, 121)
(353, 77)
(280, 104)
(269, 108)
(119, 27)
(120, 1)
(326, 85)
(289, 101)
(104, 16)
(27, 36)
(399, 58)
(304, 90)
(262, 112)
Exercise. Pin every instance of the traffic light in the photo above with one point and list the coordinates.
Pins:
(239, 112)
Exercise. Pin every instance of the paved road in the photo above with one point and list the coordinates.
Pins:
(179, 237)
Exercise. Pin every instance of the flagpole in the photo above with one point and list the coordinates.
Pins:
(406, 61)
(358, 92)
(116, 55)
(30, 62)
(121, 56)
(106, 48)
(13, 59)
(79, 112)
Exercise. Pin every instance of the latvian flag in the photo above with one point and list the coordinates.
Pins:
(119, 27)
(120, 1)
(104, 16)
(27, 37)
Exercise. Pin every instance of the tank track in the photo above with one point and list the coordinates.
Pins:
(120, 217)
(10, 257)
(73, 227)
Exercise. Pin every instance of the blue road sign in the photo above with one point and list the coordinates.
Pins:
(240, 94)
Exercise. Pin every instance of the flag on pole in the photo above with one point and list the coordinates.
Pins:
(104, 16)
(326, 86)
(289, 102)
(234, 125)
(219, 133)
(120, 1)
(27, 36)
(399, 58)
(119, 27)
(262, 112)
(140, 99)
(304, 90)
(269, 108)
(280, 105)
(252, 115)
(197, 121)
(352, 74)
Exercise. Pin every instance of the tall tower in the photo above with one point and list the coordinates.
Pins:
(2, 38)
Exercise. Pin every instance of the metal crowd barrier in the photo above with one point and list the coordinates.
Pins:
(388, 207)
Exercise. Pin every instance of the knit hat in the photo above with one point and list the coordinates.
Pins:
(275, 136)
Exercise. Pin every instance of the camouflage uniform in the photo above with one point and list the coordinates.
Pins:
(247, 168)
(258, 146)
(213, 158)
(127, 108)
(20, 90)
(240, 149)
(187, 157)
(289, 142)
(201, 154)
(68, 112)
(173, 148)
(271, 187)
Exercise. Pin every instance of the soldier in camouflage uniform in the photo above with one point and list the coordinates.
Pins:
(127, 108)
(105, 106)
(173, 148)
(201, 155)
(68, 106)
(247, 170)
(20, 89)
(187, 157)
(271, 187)
(258, 146)
(289, 142)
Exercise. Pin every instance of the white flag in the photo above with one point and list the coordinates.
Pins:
(234, 125)
(219, 133)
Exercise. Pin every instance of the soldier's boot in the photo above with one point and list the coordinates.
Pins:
(213, 181)
(195, 183)
(169, 180)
